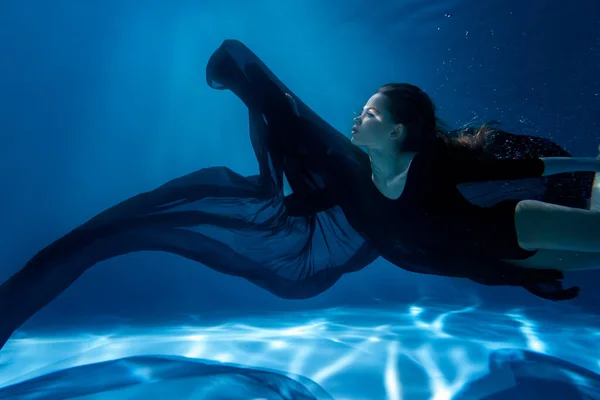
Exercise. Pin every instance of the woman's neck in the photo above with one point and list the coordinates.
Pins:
(388, 165)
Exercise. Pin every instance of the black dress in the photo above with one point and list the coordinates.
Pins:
(294, 247)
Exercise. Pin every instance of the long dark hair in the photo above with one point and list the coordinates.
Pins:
(412, 107)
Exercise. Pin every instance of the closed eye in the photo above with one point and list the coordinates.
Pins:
(369, 113)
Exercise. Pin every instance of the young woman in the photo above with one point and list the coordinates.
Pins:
(347, 207)
(418, 167)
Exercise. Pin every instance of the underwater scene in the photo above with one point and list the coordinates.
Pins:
(300, 200)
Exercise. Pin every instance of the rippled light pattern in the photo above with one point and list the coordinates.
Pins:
(405, 353)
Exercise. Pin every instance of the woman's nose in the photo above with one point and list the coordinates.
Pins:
(357, 119)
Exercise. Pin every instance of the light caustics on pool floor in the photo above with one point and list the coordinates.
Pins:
(405, 353)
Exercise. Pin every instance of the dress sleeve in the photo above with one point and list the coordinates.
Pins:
(476, 170)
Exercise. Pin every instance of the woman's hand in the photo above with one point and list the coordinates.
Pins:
(292, 104)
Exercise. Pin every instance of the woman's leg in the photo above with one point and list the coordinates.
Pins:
(554, 228)
(544, 226)
(554, 231)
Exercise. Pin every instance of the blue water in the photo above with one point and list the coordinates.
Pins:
(100, 101)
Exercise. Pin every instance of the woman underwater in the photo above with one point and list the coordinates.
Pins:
(423, 200)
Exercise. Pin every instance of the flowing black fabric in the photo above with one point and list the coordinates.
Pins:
(294, 247)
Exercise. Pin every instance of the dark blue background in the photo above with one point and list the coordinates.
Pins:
(102, 100)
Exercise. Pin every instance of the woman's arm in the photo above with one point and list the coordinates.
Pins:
(560, 165)
(473, 170)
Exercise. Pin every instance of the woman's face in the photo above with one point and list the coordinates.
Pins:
(374, 128)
